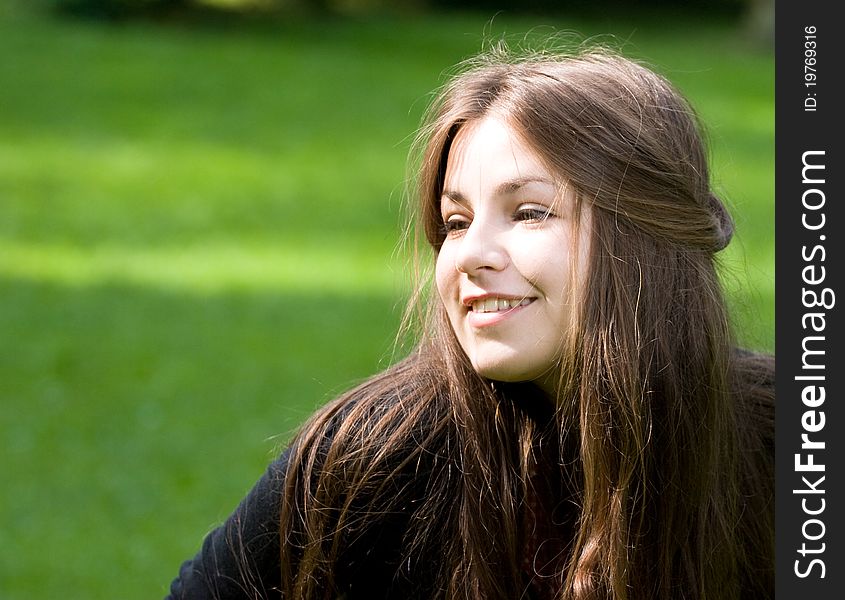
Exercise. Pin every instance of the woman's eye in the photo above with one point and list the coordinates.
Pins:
(532, 213)
(453, 224)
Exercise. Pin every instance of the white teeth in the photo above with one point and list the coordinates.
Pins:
(489, 305)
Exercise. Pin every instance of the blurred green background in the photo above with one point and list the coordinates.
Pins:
(199, 216)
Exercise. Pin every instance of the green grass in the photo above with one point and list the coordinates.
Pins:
(197, 229)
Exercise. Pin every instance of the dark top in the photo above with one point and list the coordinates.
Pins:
(241, 558)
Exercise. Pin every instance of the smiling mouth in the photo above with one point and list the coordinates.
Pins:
(494, 305)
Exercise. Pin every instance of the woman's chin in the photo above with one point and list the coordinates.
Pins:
(505, 371)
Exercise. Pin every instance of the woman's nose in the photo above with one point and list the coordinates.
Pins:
(480, 248)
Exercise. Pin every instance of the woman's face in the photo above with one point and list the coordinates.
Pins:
(506, 270)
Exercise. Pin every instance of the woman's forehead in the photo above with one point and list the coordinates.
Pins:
(490, 152)
(491, 156)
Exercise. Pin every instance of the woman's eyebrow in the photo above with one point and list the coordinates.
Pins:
(513, 185)
(456, 197)
(504, 188)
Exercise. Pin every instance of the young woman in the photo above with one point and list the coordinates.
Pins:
(575, 421)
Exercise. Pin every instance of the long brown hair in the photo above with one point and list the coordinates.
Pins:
(660, 473)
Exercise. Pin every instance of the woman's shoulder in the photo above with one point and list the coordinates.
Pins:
(363, 437)
(240, 558)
